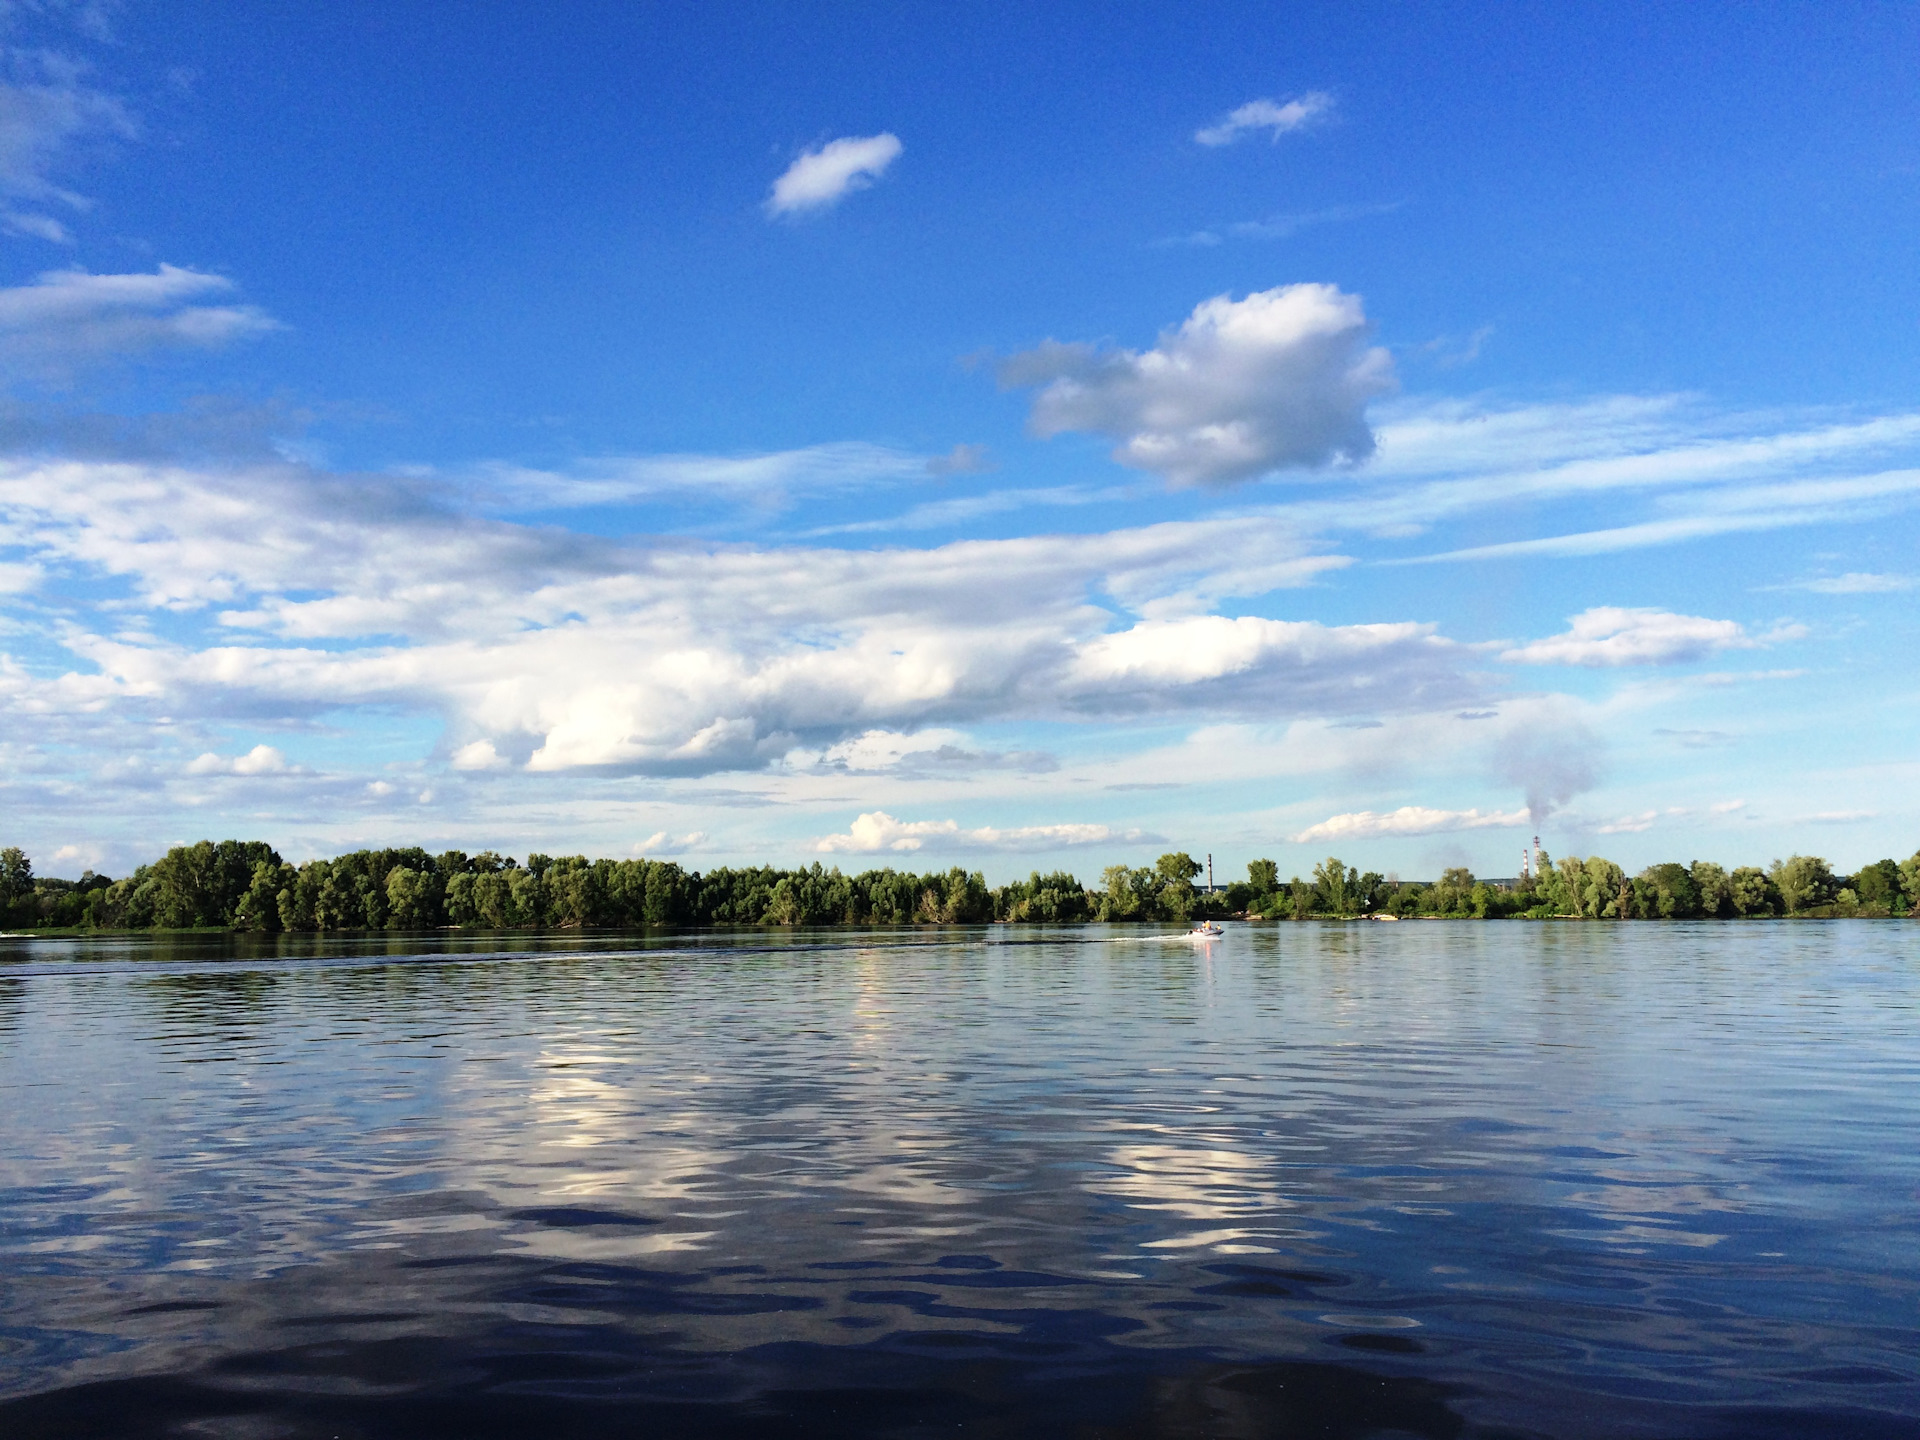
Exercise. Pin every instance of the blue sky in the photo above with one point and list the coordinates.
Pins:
(984, 437)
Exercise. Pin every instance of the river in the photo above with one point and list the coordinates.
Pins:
(1430, 1179)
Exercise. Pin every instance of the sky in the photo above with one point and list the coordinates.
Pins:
(1003, 436)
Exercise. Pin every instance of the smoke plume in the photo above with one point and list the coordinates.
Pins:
(1550, 763)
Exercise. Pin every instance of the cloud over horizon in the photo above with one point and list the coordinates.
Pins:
(877, 832)
(279, 595)
(1407, 820)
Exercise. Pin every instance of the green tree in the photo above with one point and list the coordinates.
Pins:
(1607, 893)
(1910, 881)
(1042, 899)
(666, 893)
(1713, 887)
(1175, 873)
(411, 902)
(1667, 892)
(204, 883)
(16, 886)
(1263, 876)
(259, 908)
(1753, 893)
(1128, 894)
(526, 892)
(1805, 882)
(1878, 885)
(492, 899)
(1451, 895)
(16, 873)
(1335, 887)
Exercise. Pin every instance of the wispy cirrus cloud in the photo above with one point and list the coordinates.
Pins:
(1274, 117)
(941, 514)
(68, 319)
(1280, 227)
(48, 104)
(820, 178)
(1704, 474)
(1278, 380)
(760, 475)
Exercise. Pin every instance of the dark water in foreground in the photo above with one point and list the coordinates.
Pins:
(1418, 1180)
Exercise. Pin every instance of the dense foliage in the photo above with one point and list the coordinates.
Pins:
(1598, 889)
(245, 885)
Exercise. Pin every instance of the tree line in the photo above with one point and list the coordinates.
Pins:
(246, 885)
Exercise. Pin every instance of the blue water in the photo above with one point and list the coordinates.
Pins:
(1431, 1179)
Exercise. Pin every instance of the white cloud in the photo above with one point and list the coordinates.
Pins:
(573, 651)
(70, 860)
(1405, 666)
(1270, 115)
(1856, 582)
(1279, 380)
(1611, 635)
(876, 750)
(661, 843)
(479, 755)
(261, 760)
(822, 177)
(963, 459)
(878, 831)
(67, 318)
(1407, 820)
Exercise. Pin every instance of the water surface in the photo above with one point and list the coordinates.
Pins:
(1425, 1179)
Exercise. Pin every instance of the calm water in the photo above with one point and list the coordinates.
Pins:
(1413, 1180)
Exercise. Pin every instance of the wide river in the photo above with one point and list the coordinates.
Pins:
(1426, 1179)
